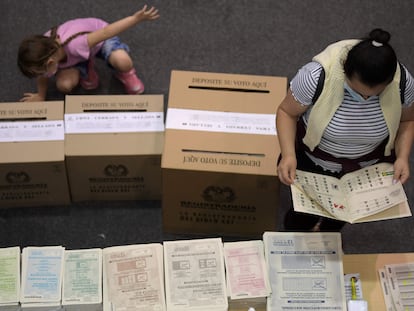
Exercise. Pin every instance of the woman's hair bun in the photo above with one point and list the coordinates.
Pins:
(380, 35)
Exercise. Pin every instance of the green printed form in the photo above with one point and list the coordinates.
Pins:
(9, 275)
(81, 282)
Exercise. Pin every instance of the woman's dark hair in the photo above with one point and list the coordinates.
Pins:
(373, 61)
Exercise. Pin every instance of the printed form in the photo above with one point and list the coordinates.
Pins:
(82, 278)
(246, 269)
(363, 195)
(134, 277)
(401, 285)
(9, 275)
(194, 275)
(305, 271)
(42, 270)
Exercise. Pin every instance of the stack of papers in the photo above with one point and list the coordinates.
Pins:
(41, 283)
(397, 282)
(9, 278)
(305, 271)
(133, 278)
(247, 278)
(194, 275)
(82, 280)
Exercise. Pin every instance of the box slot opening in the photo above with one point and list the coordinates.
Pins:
(227, 89)
(224, 152)
(23, 119)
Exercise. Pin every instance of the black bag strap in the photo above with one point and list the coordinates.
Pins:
(403, 80)
(319, 87)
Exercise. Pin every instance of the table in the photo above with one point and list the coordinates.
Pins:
(367, 266)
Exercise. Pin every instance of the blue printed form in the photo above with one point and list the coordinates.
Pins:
(42, 274)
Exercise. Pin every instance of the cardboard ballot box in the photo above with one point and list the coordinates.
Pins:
(32, 166)
(220, 153)
(113, 146)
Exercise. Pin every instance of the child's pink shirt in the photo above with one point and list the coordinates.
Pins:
(77, 50)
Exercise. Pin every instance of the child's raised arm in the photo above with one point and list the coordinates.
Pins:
(121, 25)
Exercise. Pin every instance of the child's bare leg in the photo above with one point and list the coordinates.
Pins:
(122, 63)
(67, 80)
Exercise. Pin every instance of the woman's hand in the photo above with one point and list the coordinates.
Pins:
(287, 116)
(401, 170)
(286, 170)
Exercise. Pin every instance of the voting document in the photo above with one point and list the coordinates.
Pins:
(305, 271)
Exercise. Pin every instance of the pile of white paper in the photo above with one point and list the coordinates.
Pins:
(305, 271)
(284, 271)
(133, 278)
(247, 278)
(397, 282)
(42, 270)
(9, 278)
(194, 275)
(82, 280)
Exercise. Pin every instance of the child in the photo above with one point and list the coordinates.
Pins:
(68, 51)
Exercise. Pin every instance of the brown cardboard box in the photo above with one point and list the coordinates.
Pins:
(113, 146)
(220, 153)
(32, 166)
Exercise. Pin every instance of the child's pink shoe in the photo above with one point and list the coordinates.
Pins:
(92, 81)
(132, 84)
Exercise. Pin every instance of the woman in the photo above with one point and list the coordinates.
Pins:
(363, 115)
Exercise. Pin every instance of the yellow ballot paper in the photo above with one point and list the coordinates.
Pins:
(9, 277)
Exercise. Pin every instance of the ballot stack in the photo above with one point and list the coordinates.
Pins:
(41, 280)
(397, 284)
(195, 275)
(281, 270)
(305, 270)
(9, 278)
(247, 279)
(133, 278)
(82, 280)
